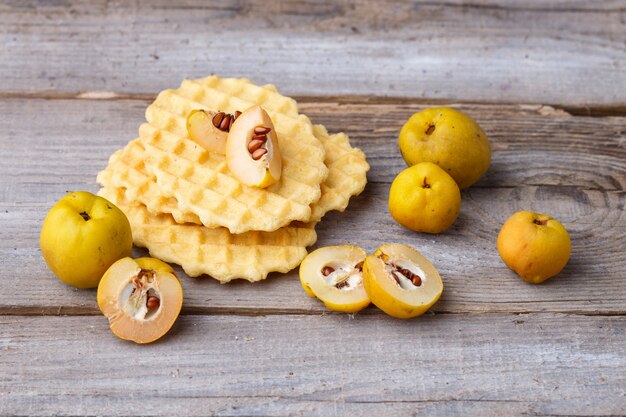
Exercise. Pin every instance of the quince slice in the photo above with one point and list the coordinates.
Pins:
(203, 127)
(252, 151)
(400, 281)
(141, 298)
(333, 274)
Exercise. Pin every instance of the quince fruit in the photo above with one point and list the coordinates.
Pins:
(142, 298)
(252, 151)
(535, 246)
(82, 236)
(334, 275)
(401, 281)
(204, 128)
(424, 198)
(448, 138)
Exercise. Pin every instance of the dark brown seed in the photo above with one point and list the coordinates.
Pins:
(327, 270)
(232, 120)
(255, 144)
(260, 137)
(237, 114)
(217, 119)
(415, 279)
(395, 276)
(262, 130)
(359, 266)
(340, 285)
(153, 302)
(224, 125)
(256, 155)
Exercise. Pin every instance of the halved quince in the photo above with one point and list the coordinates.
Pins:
(400, 281)
(141, 298)
(334, 275)
(202, 129)
(252, 152)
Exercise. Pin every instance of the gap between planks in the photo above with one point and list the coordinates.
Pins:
(590, 110)
(261, 312)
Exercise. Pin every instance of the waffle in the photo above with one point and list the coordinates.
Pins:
(200, 181)
(147, 177)
(214, 251)
(347, 170)
(126, 170)
(346, 177)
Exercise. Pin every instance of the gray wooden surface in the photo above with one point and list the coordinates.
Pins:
(547, 82)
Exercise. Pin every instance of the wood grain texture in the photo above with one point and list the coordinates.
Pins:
(571, 167)
(484, 365)
(492, 346)
(560, 53)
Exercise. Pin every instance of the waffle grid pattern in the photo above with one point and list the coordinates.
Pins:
(202, 184)
(147, 177)
(214, 251)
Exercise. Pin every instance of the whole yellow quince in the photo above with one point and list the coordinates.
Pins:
(535, 246)
(82, 236)
(448, 138)
(424, 198)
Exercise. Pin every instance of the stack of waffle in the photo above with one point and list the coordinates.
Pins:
(186, 207)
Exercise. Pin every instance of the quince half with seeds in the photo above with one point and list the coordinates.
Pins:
(334, 275)
(142, 298)
(401, 281)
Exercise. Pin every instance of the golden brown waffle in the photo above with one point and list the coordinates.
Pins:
(126, 170)
(200, 180)
(347, 177)
(347, 170)
(214, 251)
(128, 183)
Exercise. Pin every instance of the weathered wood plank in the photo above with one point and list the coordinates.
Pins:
(545, 364)
(51, 146)
(561, 53)
(532, 145)
(475, 277)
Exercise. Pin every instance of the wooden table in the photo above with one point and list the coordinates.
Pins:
(545, 79)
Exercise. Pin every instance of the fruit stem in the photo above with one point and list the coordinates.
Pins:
(85, 216)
